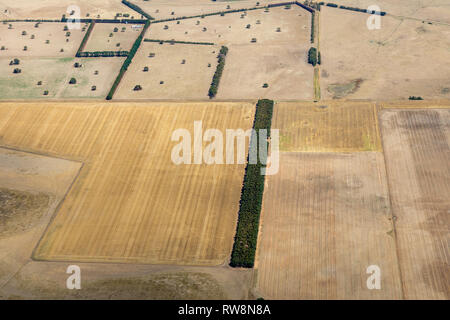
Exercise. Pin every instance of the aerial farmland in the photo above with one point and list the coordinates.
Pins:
(229, 150)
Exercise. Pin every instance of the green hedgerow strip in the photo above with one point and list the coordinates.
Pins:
(245, 241)
(85, 39)
(96, 54)
(218, 74)
(137, 9)
(127, 61)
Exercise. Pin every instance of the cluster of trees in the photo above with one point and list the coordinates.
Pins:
(137, 9)
(218, 74)
(14, 62)
(312, 56)
(415, 98)
(95, 54)
(181, 42)
(85, 39)
(244, 248)
(128, 60)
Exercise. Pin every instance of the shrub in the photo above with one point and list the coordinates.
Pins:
(145, 69)
(265, 85)
(312, 56)
(245, 240)
(17, 70)
(73, 81)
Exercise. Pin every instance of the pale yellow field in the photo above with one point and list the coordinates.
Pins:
(327, 126)
(100, 39)
(190, 80)
(130, 203)
(326, 218)
(416, 145)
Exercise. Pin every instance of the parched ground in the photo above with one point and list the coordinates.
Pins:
(55, 74)
(13, 40)
(54, 9)
(131, 203)
(277, 58)
(404, 58)
(122, 40)
(326, 218)
(188, 80)
(327, 126)
(416, 144)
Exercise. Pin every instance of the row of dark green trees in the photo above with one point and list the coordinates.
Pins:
(245, 241)
(218, 74)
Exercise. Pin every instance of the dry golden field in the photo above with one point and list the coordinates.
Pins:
(188, 80)
(326, 218)
(130, 203)
(100, 39)
(416, 146)
(327, 127)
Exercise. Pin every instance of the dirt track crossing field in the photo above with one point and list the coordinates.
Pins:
(416, 144)
(130, 203)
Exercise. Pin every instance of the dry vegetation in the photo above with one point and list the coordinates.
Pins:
(327, 127)
(129, 185)
(188, 80)
(416, 146)
(404, 58)
(326, 218)
(122, 39)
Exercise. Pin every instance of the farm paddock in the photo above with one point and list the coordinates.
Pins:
(182, 215)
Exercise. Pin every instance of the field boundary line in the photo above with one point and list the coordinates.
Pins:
(392, 218)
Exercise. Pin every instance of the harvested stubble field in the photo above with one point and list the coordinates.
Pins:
(14, 42)
(122, 40)
(54, 9)
(327, 127)
(326, 218)
(130, 203)
(416, 145)
(188, 80)
(55, 74)
(404, 58)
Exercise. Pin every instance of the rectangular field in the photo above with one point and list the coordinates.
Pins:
(326, 218)
(131, 203)
(416, 145)
(327, 127)
(112, 37)
(186, 71)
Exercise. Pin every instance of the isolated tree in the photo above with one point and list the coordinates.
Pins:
(16, 61)
(265, 85)
(183, 61)
(161, 82)
(17, 70)
(46, 93)
(3, 48)
(73, 81)
(66, 28)
(96, 72)
(253, 40)
(62, 50)
(77, 65)
(10, 26)
(32, 36)
(116, 29)
(47, 41)
(248, 26)
(93, 88)
(25, 48)
(137, 87)
(278, 29)
(110, 35)
(36, 25)
(24, 33)
(145, 69)
(67, 34)
(118, 44)
(39, 83)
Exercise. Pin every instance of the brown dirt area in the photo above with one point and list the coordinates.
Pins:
(100, 39)
(404, 58)
(416, 144)
(326, 218)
